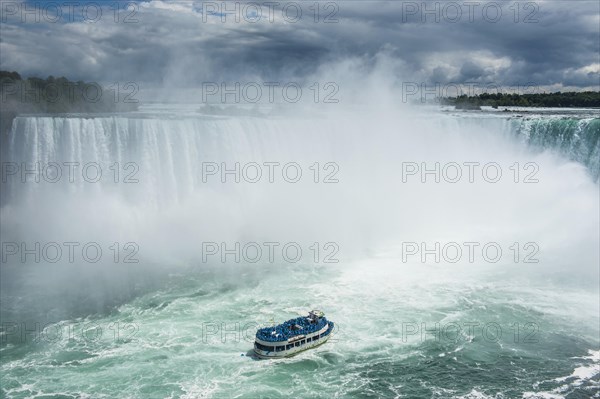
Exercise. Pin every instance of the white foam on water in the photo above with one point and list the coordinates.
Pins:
(474, 394)
(584, 373)
(541, 395)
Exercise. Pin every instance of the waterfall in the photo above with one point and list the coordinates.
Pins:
(172, 182)
(214, 176)
(576, 139)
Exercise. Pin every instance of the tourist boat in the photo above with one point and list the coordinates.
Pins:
(293, 336)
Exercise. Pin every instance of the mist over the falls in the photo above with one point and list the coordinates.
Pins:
(363, 201)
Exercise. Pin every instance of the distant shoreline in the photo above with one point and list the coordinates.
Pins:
(583, 99)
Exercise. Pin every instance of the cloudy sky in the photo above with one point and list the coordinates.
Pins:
(550, 44)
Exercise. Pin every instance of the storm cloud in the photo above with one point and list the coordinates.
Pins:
(551, 44)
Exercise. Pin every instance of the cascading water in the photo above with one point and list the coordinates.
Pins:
(182, 332)
(576, 139)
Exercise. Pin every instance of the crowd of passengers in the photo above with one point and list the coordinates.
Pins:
(301, 325)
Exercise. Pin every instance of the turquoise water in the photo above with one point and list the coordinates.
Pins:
(191, 338)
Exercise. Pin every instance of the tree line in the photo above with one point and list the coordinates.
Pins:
(582, 99)
(58, 95)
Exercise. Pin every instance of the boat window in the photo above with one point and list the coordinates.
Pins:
(290, 346)
(302, 342)
(279, 348)
(263, 347)
(308, 339)
(316, 337)
(297, 343)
